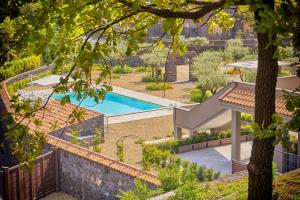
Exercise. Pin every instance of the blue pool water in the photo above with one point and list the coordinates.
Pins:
(113, 104)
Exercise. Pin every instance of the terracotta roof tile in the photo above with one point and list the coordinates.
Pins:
(245, 96)
(55, 113)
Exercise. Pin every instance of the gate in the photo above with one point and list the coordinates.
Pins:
(21, 184)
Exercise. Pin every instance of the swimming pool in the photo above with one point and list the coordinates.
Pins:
(113, 104)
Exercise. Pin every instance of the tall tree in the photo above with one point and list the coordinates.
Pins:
(130, 20)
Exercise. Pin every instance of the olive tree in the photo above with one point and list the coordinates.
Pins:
(205, 67)
(155, 58)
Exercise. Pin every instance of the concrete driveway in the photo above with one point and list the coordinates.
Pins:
(217, 158)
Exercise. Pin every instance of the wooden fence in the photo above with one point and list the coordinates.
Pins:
(21, 184)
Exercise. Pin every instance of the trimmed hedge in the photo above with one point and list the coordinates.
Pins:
(15, 67)
(202, 137)
(18, 85)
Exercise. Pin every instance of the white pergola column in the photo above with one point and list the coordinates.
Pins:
(235, 135)
(178, 133)
(191, 133)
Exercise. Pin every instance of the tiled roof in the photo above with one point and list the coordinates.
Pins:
(55, 113)
(244, 95)
(103, 160)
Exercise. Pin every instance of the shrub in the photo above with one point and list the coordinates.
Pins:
(188, 191)
(170, 178)
(284, 73)
(149, 78)
(142, 69)
(247, 129)
(159, 86)
(15, 67)
(247, 117)
(233, 72)
(196, 41)
(118, 69)
(196, 95)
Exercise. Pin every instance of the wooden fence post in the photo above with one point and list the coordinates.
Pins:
(57, 169)
(6, 183)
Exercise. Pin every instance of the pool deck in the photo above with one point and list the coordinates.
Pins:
(217, 158)
(167, 104)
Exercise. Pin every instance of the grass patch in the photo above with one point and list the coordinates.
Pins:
(149, 78)
(142, 69)
(159, 86)
(287, 186)
(118, 69)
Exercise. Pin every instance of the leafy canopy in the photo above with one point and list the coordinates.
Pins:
(205, 67)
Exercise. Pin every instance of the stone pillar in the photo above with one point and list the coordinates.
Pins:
(171, 69)
(178, 133)
(235, 135)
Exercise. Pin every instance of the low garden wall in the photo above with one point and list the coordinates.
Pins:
(238, 166)
(84, 179)
(211, 143)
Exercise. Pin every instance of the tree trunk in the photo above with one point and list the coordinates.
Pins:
(260, 166)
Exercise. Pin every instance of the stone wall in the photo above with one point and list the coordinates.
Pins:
(171, 70)
(87, 180)
(32, 72)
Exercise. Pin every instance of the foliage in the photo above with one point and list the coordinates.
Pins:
(75, 134)
(120, 152)
(235, 50)
(196, 95)
(202, 137)
(196, 41)
(15, 67)
(140, 192)
(18, 85)
(287, 186)
(159, 86)
(142, 69)
(285, 53)
(189, 191)
(122, 69)
(250, 57)
(98, 137)
(150, 78)
(27, 147)
(205, 67)
(247, 117)
(293, 105)
(155, 57)
(283, 73)
(248, 75)
(233, 72)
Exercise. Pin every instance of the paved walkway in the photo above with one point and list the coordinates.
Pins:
(217, 158)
